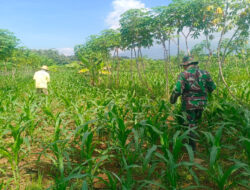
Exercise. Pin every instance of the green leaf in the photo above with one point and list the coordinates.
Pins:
(74, 176)
(213, 156)
(84, 185)
(149, 155)
(227, 174)
(190, 152)
(147, 182)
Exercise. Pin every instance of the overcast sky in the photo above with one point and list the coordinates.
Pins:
(62, 24)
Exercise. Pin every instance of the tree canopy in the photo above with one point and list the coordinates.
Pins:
(8, 43)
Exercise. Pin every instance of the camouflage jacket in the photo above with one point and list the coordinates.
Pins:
(193, 85)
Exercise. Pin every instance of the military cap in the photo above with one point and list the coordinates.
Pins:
(188, 60)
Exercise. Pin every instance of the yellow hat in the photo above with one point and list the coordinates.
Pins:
(44, 67)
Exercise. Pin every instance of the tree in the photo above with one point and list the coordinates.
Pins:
(199, 49)
(57, 58)
(187, 14)
(175, 15)
(92, 55)
(113, 37)
(210, 15)
(235, 17)
(23, 57)
(163, 30)
(136, 32)
(8, 43)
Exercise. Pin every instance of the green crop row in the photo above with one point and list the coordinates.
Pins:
(120, 136)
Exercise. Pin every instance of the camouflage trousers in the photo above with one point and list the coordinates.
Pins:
(191, 119)
(42, 91)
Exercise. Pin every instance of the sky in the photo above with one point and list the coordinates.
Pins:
(62, 24)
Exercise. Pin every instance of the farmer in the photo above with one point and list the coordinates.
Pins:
(193, 85)
(42, 78)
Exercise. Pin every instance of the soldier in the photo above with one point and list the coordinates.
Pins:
(193, 85)
(42, 78)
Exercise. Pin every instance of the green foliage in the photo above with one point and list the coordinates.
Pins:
(8, 43)
(136, 29)
(121, 137)
(121, 133)
(58, 59)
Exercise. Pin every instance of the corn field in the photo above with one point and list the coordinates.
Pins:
(119, 135)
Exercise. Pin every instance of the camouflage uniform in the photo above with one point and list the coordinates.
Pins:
(193, 85)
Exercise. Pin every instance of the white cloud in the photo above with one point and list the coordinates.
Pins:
(66, 51)
(121, 6)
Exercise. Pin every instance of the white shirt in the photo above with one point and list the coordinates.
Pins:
(42, 78)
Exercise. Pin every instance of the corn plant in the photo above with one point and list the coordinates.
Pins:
(214, 147)
(127, 181)
(84, 137)
(245, 142)
(29, 114)
(14, 151)
(58, 148)
(170, 176)
(153, 132)
(47, 109)
(112, 183)
(217, 173)
(78, 115)
(119, 130)
(84, 171)
(87, 146)
(136, 153)
(243, 174)
(143, 149)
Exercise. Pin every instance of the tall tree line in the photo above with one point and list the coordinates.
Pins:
(140, 28)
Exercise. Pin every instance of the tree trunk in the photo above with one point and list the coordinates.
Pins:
(118, 67)
(169, 53)
(144, 82)
(178, 47)
(187, 46)
(131, 65)
(222, 59)
(165, 55)
(143, 66)
(138, 66)
(186, 41)
(208, 47)
(209, 51)
(110, 77)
